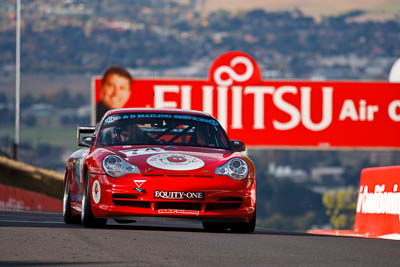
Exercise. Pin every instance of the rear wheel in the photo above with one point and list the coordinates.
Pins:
(67, 211)
(87, 217)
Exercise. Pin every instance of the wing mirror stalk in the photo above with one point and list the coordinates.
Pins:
(86, 141)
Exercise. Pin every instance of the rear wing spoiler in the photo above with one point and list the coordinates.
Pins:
(84, 130)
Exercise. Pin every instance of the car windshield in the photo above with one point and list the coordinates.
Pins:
(162, 129)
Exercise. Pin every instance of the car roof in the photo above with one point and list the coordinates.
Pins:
(158, 110)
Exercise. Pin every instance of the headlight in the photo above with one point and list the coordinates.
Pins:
(235, 168)
(114, 166)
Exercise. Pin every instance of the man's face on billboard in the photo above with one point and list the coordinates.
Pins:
(115, 91)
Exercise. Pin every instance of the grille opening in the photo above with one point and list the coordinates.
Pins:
(125, 196)
(134, 204)
(222, 206)
(154, 175)
(178, 205)
(231, 199)
(178, 175)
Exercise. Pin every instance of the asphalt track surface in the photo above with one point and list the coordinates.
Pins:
(42, 239)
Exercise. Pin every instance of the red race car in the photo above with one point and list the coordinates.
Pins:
(160, 162)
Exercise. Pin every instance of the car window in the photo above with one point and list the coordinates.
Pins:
(162, 129)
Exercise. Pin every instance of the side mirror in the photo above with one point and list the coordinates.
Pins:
(84, 129)
(86, 141)
(238, 146)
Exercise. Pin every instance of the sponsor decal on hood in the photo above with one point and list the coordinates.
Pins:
(176, 162)
(142, 151)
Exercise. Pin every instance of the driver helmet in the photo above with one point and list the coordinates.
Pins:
(121, 133)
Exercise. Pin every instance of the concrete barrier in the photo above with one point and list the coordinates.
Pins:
(25, 187)
(378, 205)
(16, 199)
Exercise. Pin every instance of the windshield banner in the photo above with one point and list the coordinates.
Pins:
(279, 114)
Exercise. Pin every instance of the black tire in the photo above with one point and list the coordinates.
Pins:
(245, 227)
(215, 226)
(87, 217)
(67, 213)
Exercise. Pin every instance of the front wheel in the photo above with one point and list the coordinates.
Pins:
(245, 227)
(87, 217)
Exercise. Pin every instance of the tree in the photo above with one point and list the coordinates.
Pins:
(341, 205)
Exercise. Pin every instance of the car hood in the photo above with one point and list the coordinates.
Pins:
(161, 159)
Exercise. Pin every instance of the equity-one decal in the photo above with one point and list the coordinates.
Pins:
(178, 195)
(281, 113)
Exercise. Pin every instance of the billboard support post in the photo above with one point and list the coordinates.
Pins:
(17, 80)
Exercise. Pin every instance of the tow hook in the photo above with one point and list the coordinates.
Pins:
(140, 190)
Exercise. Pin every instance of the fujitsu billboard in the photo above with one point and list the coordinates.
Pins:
(279, 114)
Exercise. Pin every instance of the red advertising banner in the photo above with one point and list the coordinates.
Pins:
(16, 199)
(280, 114)
(378, 206)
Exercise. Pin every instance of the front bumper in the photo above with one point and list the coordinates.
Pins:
(224, 199)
